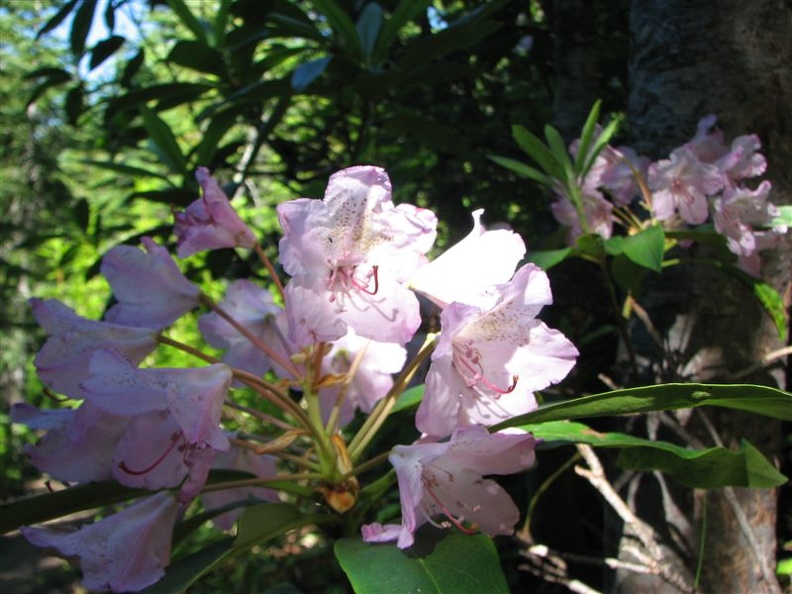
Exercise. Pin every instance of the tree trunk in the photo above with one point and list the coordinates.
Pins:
(730, 58)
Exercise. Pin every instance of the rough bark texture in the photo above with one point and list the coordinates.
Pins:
(576, 64)
(731, 58)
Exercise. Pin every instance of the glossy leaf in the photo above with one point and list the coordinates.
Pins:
(704, 469)
(559, 150)
(762, 400)
(184, 572)
(342, 26)
(546, 259)
(439, 563)
(646, 248)
(306, 73)
(368, 27)
(604, 138)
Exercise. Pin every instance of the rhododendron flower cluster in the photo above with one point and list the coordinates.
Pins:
(704, 180)
(305, 376)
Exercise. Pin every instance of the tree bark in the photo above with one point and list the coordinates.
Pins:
(730, 58)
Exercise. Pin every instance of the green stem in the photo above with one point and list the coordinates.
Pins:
(377, 417)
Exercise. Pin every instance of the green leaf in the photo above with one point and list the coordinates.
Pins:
(538, 152)
(586, 136)
(604, 138)
(342, 26)
(40, 508)
(762, 400)
(368, 27)
(81, 25)
(769, 298)
(704, 469)
(560, 151)
(784, 216)
(184, 572)
(306, 73)
(198, 56)
(627, 274)
(522, 169)
(164, 141)
(592, 246)
(408, 398)
(546, 259)
(438, 562)
(646, 248)
(404, 12)
(104, 49)
(180, 9)
(74, 103)
(56, 20)
(129, 170)
(708, 469)
(257, 524)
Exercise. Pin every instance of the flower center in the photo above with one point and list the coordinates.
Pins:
(467, 361)
(343, 279)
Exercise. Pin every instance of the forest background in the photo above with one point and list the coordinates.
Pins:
(108, 108)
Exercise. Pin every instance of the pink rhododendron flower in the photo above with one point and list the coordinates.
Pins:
(150, 289)
(239, 459)
(708, 145)
(681, 184)
(349, 256)
(744, 160)
(194, 395)
(63, 361)
(596, 209)
(445, 480)
(745, 217)
(79, 443)
(488, 363)
(253, 307)
(466, 270)
(210, 222)
(124, 552)
(372, 377)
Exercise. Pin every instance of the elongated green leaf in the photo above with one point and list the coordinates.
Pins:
(522, 169)
(704, 469)
(186, 571)
(408, 398)
(104, 49)
(536, 149)
(438, 563)
(708, 469)
(762, 400)
(198, 56)
(342, 26)
(257, 525)
(546, 259)
(646, 248)
(34, 510)
(81, 25)
(586, 135)
(181, 10)
(56, 20)
(559, 150)
(164, 141)
(125, 169)
(306, 73)
(368, 27)
(604, 138)
(404, 12)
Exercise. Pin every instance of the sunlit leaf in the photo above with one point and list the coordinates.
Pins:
(762, 400)
(646, 248)
(438, 563)
(705, 469)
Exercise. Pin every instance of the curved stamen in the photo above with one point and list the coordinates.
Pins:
(358, 285)
(470, 359)
(446, 512)
(174, 440)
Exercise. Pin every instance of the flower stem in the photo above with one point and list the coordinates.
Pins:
(377, 417)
